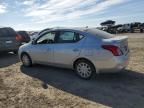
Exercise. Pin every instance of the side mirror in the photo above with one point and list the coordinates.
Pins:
(33, 41)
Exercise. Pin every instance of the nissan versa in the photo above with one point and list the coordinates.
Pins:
(87, 51)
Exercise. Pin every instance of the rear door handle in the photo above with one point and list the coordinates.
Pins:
(75, 50)
(48, 49)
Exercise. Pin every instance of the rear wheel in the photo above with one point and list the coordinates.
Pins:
(84, 69)
(26, 60)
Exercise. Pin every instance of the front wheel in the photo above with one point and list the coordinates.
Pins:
(84, 69)
(26, 60)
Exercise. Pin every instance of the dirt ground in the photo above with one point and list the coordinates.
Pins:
(49, 87)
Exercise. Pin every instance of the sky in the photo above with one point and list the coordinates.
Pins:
(41, 14)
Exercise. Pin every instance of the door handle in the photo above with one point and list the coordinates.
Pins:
(48, 49)
(75, 50)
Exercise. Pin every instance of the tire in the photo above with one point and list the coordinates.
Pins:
(26, 60)
(84, 69)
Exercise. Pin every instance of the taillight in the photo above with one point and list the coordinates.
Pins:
(19, 38)
(116, 51)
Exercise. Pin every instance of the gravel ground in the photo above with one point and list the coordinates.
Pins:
(49, 87)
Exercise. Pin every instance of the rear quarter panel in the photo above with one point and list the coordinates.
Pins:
(93, 51)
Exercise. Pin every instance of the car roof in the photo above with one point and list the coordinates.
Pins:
(91, 31)
(5, 27)
(63, 29)
(75, 28)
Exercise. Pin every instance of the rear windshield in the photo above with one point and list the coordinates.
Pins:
(7, 32)
(23, 33)
(100, 34)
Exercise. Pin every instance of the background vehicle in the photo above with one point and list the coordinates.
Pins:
(136, 27)
(23, 36)
(125, 28)
(110, 27)
(142, 28)
(8, 40)
(85, 50)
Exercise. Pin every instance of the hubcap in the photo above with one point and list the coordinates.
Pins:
(25, 60)
(84, 70)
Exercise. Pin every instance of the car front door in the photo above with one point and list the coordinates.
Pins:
(43, 51)
(67, 47)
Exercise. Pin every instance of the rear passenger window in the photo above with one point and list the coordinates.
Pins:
(80, 36)
(68, 37)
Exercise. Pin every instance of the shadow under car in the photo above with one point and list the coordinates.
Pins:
(7, 59)
(119, 90)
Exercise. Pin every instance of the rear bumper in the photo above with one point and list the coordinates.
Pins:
(118, 68)
(115, 64)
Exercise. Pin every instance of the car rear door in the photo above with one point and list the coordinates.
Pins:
(67, 48)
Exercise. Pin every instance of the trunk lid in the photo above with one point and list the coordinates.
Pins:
(119, 41)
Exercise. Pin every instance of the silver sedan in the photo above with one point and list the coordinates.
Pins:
(87, 51)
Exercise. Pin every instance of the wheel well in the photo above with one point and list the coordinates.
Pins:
(23, 54)
(82, 59)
